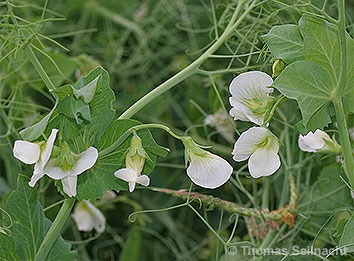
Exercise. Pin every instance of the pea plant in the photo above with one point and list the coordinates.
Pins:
(285, 143)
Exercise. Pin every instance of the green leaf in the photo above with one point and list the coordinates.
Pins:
(74, 108)
(30, 225)
(35, 131)
(88, 91)
(285, 42)
(94, 182)
(308, 84)
(319, 120)
(132, 246)
(88, 132)
(101, 109)
(348, 236)
(321, 46)
(7, 248)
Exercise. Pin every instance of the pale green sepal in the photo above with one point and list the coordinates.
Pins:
(88, 91)
(35, 131)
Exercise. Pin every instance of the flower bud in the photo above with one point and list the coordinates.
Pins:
(136, 155)
(278, 67)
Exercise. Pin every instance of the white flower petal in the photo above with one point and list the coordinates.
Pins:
(98, 219)
(126, 174)
(69, 185)
(248, 86)
(312, 142)
(47, 151)
(27, 152)
(143, 180)
(82, 218)
(54, 172)
(238, 114)
(247, 143)
(209, 171)
(37, 174)
(86, 161)
(252, 84)
(131, 186)
(263, 162)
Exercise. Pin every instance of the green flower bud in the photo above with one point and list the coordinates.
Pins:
(278, 67)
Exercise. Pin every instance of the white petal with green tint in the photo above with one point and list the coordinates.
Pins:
(247, 143)
(313, 142)
(88, 217)
(27, 152)
(248, 90)
(209, 170)
(263, 162)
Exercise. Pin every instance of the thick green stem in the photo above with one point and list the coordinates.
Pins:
(193, 67)
(345, 142)
(343, 51)
(337, 101)
(55, 229)
(37, 65)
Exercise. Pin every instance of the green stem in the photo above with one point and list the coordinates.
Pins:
(37, 65)
(343, 51)
(337, 100)
(193, 67)
(55, 229)
(272, 111)
(344, 140)
(127, 133)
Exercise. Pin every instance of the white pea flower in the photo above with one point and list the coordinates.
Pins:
(88, 217)
(222, 125)
(69, 165)
(206, 169)
(250, 96)
(261, 148)
(38, 153)
(132, 177)
(134, 162)
(319, 141)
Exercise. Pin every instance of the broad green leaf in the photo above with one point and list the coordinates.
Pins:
(101, 109)
(285, 42)
(94, 182)
(88, 91)
(132, 246)
(321, 46)
(319, 120)
(74, 108)
(35, 131)
(30, 225)
(7, 248)
(308, 84)
(348, 236)
(102, 113)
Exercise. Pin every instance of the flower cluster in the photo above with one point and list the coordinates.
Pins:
(251, 101)
(62, 165)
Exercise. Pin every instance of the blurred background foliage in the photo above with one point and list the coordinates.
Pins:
(141, 44)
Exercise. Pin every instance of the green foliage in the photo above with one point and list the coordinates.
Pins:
(132, 246)
(7, 248)
(285, 42)
(312, 82)
(98, 116)
(100, 178)
(347, 238)
(29, 225)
